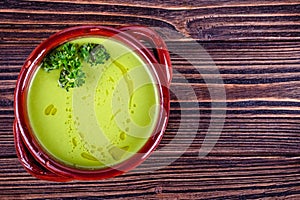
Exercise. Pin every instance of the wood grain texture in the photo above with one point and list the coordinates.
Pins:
(255, 46)
(215, 178)
(205, 20)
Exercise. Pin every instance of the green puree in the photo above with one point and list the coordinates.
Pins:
(101, 123)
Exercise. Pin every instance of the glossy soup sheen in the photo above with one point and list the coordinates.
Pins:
(101, 123)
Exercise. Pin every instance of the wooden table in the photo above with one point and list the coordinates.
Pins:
(256, 48)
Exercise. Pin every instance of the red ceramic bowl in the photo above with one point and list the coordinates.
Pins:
(32, 156)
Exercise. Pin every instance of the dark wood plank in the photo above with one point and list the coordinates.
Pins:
(208, 178)
(209, 20)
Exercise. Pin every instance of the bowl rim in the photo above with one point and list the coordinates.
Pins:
(21, 116)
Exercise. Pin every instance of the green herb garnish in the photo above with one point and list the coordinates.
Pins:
(94, 54)
(69, 58)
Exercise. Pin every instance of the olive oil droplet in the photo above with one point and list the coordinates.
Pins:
(50, 110)
(122, 135)
(88, 156)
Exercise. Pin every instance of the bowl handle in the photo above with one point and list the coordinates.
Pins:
(157, 44)
(30, 164)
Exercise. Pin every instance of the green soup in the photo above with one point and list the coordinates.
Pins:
(101, 123)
